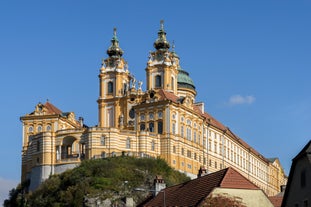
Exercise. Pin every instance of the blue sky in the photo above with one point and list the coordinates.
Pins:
(250, 62)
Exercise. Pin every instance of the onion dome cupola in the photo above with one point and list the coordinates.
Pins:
(114, 50)
(184, 80)
(161, 43)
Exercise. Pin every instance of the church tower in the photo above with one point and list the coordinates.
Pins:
(114, 82)
(161, 71)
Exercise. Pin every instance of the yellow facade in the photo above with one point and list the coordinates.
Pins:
(162, 121)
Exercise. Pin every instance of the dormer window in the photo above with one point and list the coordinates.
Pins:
(158, 81)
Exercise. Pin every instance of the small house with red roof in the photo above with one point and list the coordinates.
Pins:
(226, 182)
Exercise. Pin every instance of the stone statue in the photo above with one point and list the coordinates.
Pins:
(140, 83)
(121, 120)
(134, 83)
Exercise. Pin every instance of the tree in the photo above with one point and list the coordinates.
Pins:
(223, 200)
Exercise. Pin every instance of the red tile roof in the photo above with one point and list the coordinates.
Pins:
(165, 95)
(233, 179)
(193, 192)
(52, 109)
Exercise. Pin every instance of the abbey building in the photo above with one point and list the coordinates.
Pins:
(162, 121)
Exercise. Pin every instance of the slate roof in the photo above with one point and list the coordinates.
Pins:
(193, 192)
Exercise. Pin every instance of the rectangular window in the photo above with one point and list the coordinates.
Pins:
(142, 127)
(103, 140)
(182, 151)
(110, 87)
(128, 143)
(158, 81)
(188, 133)
(182, 131)
(160, 127)
(189, 153)
(151, 127)
(174, 128)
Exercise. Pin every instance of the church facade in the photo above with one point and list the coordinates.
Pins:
(162, 121)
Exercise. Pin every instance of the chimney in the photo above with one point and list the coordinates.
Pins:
(159, 184)
(202, 171)
(200, 105)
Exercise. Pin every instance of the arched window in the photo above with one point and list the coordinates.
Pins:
(158, 81)
(110, 87)
(128, 143)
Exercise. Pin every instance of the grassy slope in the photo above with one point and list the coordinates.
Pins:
(111, 178)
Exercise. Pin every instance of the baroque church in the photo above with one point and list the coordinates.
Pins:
(162, 121)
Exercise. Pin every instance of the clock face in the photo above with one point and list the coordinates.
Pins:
(132, 113)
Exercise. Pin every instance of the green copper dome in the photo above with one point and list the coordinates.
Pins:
(183, 80)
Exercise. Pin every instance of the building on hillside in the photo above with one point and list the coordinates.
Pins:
(226, 182)
(298, 189)
(165, 121)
